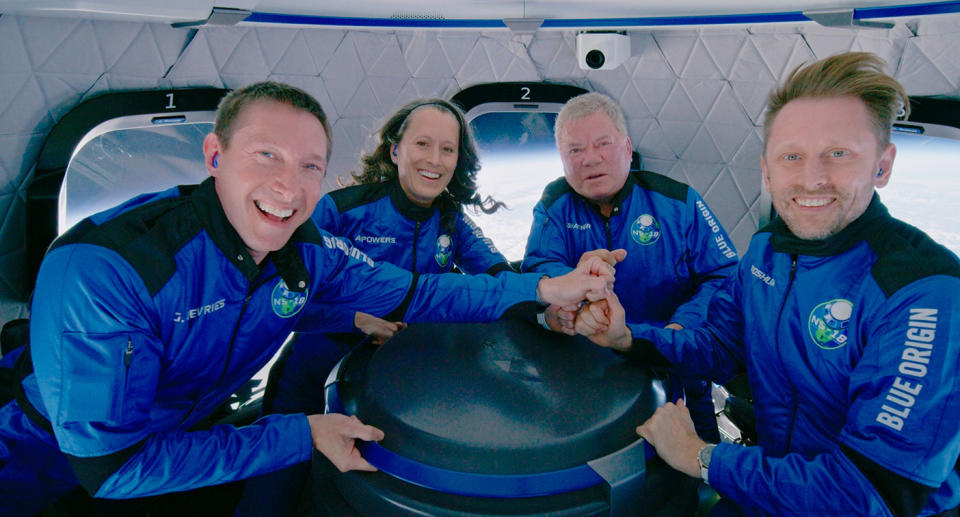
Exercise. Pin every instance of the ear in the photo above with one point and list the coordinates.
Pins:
(393, 153)
(211, 146)
(886, 163)
(629, 147)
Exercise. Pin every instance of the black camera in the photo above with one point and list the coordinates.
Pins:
(595, 59)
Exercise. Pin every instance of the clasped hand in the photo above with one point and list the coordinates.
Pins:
(592, 280)
(600, 318)
(670, 430)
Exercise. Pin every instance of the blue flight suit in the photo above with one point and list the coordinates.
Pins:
(851, 345)
(146, 317)
(378, 219)
(678, 255)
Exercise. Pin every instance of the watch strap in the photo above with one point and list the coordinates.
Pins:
(703, 458)
(542, 320)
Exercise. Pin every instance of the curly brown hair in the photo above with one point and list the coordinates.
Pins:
(377, 166)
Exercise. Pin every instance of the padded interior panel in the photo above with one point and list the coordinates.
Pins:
(693, 97)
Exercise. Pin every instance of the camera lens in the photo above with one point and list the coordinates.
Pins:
(595, 59)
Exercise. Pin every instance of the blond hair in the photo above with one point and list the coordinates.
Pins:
(856, 74)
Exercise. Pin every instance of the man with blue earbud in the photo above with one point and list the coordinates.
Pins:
(147, 316)
(846, 320)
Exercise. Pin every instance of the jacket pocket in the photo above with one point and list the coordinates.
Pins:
(95, 372)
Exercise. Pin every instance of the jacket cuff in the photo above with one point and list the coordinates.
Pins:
(529, 283)
(720, 475)
(306, 451)
(643, 350)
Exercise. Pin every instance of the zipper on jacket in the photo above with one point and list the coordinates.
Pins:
(416, 237)
(606, 225)
(128, 353)
(233, 337)
(783, 304)
(236, 327)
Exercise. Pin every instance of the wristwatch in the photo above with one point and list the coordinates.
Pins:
(703, 456)
(542, 321)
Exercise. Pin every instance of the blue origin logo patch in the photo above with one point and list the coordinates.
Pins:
(444, 244)
(285, 302)
(828, 323)
(645, 230)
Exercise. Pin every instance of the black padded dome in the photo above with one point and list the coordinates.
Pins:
(499, 398)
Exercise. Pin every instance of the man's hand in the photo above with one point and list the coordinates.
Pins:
(591, 280)
(670, 431)
(560, 319)
(610, 257)
(380, 329)
(334, 435)
(604, 323)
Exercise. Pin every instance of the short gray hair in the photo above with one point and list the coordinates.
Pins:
(587, 104)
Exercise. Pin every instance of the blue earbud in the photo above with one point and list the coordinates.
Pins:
(879, 171)
(215, 156)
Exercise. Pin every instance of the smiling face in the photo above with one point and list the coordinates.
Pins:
(596, 157)
(821, 164)
(270, 177)
(426, 156)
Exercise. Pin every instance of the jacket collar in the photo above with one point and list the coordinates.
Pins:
(415, 212)
(784, 241)
(408, 208)
(618, 198)
(287, 259)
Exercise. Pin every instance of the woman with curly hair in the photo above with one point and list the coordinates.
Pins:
(408, 206)
(407, 209)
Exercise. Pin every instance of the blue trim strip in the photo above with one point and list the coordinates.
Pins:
(930, 8)
(464, 483)
(907, 10)
(397, 23)
(720, 19)
(479, 485)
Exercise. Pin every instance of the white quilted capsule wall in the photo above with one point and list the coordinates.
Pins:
(693, 97)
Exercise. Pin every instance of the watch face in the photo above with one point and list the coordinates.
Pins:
(703, 456)
(707, 452)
